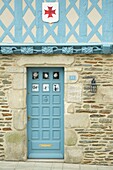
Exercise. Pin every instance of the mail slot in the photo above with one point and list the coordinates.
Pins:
(45, 145)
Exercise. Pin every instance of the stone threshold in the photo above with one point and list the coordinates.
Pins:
(46, 160)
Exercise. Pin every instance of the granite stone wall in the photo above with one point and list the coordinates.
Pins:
(89, 122)
(88, 116)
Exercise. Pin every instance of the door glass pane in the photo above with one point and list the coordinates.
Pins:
(55, 75)
(56, 87)
(45, 87)
(45, 75)
(35, 75)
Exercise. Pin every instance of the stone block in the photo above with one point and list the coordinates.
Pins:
(77, 120)
(70, 138)
(17, 99)
(73, 155)
(15, 69)
(105, 120)
(44, 59)
(19, 119)
(77, 68)
(74, 93)
(6, 82)
(19, 81)
(2, 93)
(104, 95)
(15, 148)
(110, 146)
(112, 124)
(70, 108)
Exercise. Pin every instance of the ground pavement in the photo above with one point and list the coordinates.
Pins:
(8, 165)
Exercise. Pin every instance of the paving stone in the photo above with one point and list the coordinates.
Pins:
(71, 166)
(7, 168)
(8, 165)
(105, 168)
(57, 166)
(42, 165)
(25, 166)
(88, 167)
(40, 168)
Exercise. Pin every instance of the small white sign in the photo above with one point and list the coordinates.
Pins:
(45, 87)
(35, 87)
(56, 87)
(50, 12)
(74, 93)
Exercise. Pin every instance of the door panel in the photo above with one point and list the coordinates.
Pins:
(45, 108)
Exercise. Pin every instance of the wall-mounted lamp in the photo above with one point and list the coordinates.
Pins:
(93, 86)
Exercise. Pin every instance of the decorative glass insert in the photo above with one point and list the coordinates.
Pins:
(55, 75)
(45, 75)
(45, 87)
(56, 87)
(35, 75)
(35, 87)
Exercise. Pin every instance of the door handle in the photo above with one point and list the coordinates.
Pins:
(28, 118)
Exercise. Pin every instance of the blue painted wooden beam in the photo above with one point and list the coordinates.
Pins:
(39, 25)
(68, 49)
(62, 21)
(83, 20)
(107, 21)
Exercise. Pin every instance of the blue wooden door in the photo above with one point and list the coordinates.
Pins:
(45, 108)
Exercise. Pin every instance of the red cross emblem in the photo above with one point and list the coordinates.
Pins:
(50, 12)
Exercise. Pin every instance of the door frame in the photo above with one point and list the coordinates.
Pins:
(63, 108)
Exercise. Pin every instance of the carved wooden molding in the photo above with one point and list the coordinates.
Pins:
(56, 49)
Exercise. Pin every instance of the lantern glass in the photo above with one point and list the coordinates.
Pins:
(93, 86)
